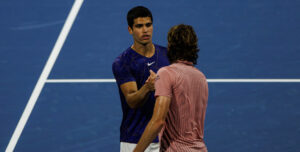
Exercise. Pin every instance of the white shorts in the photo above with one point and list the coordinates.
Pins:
(129, 147)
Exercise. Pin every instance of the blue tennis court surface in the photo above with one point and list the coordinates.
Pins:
(256, 39)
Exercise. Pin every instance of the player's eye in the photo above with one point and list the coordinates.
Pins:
(139, 25)
(148, 24)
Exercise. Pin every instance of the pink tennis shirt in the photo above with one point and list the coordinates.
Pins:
(188, 89)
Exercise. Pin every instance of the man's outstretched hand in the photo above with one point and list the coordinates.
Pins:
(151, 80)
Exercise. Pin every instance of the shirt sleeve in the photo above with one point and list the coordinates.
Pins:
(122, 73)
(163, 83)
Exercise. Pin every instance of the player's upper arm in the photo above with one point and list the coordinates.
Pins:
(161, 108)
(164, 82)
(121, 71)
(124, 78)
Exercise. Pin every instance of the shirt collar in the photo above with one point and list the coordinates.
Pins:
(185, 62)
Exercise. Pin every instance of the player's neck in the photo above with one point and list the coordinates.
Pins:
(147, 50)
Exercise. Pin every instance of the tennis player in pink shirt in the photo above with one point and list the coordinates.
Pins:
(181, 93)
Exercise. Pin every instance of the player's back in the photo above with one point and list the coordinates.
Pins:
(184, 128)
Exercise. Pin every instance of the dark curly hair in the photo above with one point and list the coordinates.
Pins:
(182, 44)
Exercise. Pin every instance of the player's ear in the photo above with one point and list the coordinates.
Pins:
(130, 30)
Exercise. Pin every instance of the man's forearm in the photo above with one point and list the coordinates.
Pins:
(156, 123)
(138, 98)
(151, 131)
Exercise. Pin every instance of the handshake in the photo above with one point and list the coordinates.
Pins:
(150, 81)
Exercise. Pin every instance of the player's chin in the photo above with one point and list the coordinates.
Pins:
(144, 42)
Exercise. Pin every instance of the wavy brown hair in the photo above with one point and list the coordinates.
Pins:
(182, 44)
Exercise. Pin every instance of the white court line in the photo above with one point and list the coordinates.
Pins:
(208, 80)
(43, 77)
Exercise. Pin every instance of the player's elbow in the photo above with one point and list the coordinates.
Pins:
(133, 101)
(159, 123)
(132, 105)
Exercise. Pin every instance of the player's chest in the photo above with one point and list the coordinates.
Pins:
(142, 66)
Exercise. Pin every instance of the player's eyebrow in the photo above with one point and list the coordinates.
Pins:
(138, 25)
(148, 24)
(141, 25)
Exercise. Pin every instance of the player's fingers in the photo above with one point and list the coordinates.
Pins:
(152, 73)
(148, 79)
